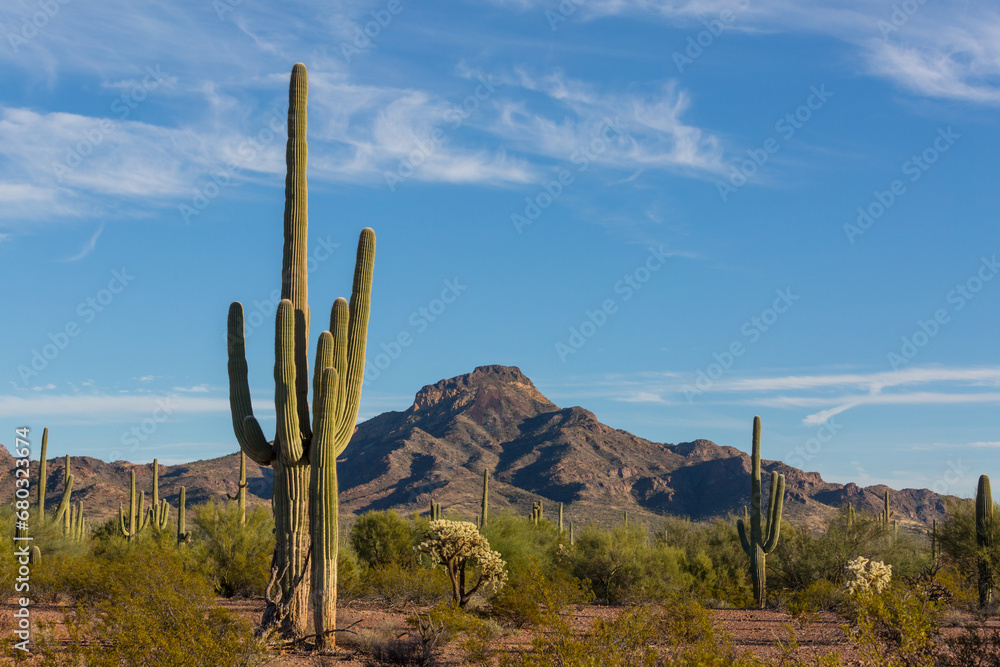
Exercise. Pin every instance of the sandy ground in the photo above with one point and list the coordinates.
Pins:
(751, 630)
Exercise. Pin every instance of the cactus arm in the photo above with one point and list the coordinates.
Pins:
(63, 506)
(324, 360)
(775, 504)
(323, 509)
(43, 476)
(288, 437)
(66, 474)
(741, 529)
(251, 440)
(357, 335)
(121, 521)
(340, 316)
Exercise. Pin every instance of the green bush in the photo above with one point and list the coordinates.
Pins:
(146, 609)
(237, 557)
(383, 538)
(532, 598)
(395, 585)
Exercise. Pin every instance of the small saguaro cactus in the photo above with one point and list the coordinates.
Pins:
(984, 538)
(886, 514)
(35, 555)
(135, 522)
(241, 493)
(159, 511)
(183, 536)
(486, 497)
(850, 516)
(625, 518)
(43, 476)
(435, 510)
(761, 541)
(572, 537)
(934, 546)
(560, 518)
(63, 509)
(536, 512)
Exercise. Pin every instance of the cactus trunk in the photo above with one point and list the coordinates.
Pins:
(486, 497)
(761, 540)
(43, 476)
(304, 453)
(984, 539)
(182, 534)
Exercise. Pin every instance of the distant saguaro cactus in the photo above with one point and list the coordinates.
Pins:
(984, 539)
(133, 523)
(486, 497)
(305, 449)
(760, 543)
(183, 536)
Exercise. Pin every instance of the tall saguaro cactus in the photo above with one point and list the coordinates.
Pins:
(43, 476)
(183, 536)
(135, 521)
(761, 541)
(984, 538)
(486, 497)
(304, 452)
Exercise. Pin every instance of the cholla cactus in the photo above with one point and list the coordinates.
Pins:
(457, 545)
(865, 575)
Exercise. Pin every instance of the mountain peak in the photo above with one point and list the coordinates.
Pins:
(463, 389)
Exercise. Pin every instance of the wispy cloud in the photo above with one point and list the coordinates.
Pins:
(87, 248)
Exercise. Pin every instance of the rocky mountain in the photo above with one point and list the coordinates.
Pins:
(495, 418)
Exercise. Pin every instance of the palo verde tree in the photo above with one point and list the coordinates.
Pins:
(304, 451)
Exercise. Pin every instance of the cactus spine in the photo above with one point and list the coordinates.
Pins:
(486, 497)
(984, 539)
(761, 541)
(43, 476)
(304, 451)
(183, 536)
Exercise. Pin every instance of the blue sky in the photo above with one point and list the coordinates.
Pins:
(675, 214)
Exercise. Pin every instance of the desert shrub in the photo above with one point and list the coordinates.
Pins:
(893, 628)
(478, 635)
(684, 622)
(803, 557)
(531, 597)
(459, 547)
(625, 566)
(714, 559)
(145, 609)
(977, 646)
(397, 586)
(382, 538)
(238, 557)
(521, 542)
(957, 537)
(820, 595)
(418, 647)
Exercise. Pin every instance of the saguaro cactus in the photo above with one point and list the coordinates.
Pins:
(159, 511)
(135, 522)
(63, 509)
(984, 538)
(43, 476)
(560, 518)
(304, 452)
(183, 536)
(486, 497)
(435, 511)
(241, 494)
(761, 541)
